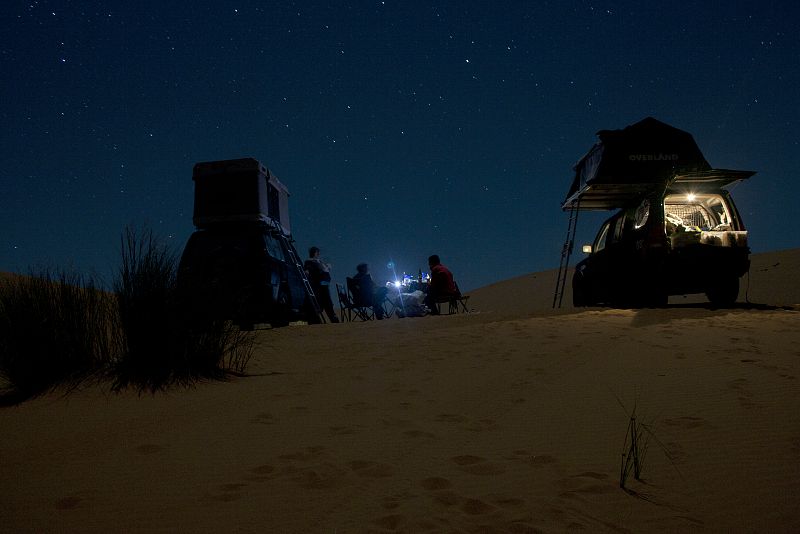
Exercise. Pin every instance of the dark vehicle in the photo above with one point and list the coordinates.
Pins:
(241, 263)
(681, 242)
(245, 272)
(676, 231)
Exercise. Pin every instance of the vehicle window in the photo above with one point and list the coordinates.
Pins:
(619, 228)
(274, 248)
(273, 202)
(600, 241)
(720, 216)
(696, 212)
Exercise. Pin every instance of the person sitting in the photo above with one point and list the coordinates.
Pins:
(367, 293)
(441, 285)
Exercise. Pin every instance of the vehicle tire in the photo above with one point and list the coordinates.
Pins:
(657, 299)
(281, 311)
(580, 295)
(724, 292)
(310, 313)
(654, 296)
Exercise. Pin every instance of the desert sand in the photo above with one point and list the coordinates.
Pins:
(508, 419)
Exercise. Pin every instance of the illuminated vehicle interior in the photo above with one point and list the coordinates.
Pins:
(701, 218)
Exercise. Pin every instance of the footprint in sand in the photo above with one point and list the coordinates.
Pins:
(447, 498)
(303, 456)
(510, 502)
(341, 430)
(742, 387)
(263, 418)
(260, 473)
(475, 465)
(371, 469)
(450, 418)
(228, 492)
(324, 477)
(537, 460)
(482, 425)
(389, 522)
(435, 483)
(69, 503)
(467, 459)
(543, 459)
(477, 507)
(418, 434)
(148, 448)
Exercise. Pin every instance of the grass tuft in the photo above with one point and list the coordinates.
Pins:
(636, 442)
(169, 337)
(56, 328)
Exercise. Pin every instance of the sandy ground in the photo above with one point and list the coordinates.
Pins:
(509, 419)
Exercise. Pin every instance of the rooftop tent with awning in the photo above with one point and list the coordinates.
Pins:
(624, 164)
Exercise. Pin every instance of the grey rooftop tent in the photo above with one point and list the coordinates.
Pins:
(625, 163)
(239, 190)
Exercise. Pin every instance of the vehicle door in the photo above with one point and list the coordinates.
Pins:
(276, 269)
(617, 261)
(594, 269)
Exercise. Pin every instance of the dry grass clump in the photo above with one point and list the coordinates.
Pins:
(59, 329)
(169, 336)
(56, 328)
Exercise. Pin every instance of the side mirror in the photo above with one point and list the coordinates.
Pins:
(587, 249)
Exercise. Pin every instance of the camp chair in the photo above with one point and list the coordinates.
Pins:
(347, 308)
(455, 303)
(357, 294)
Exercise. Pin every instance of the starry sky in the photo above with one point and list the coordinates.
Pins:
(401, 128)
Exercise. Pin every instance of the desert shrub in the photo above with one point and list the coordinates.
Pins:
(168, 336)
(55, 329)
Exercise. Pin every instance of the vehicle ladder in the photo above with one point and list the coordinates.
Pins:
(566, 252)
(295, 260)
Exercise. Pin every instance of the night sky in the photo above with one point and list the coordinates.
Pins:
(401, 128)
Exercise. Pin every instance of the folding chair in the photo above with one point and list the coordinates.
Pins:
(455, 303)
(347, 308)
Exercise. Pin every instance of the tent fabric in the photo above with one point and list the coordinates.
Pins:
(624, 163)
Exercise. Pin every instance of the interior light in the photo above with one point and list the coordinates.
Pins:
(690, 197)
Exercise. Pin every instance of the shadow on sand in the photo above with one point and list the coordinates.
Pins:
(672, 312)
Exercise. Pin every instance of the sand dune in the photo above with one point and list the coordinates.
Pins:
(511, 419)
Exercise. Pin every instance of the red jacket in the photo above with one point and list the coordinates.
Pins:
(442, 282)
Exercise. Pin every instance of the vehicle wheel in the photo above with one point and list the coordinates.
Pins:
(580, 297)
(311, 315)
(654, 297)
(657, 299)
(281, 312)
(724, 292)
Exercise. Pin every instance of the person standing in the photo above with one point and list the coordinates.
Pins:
(441, 284)
(319, 276)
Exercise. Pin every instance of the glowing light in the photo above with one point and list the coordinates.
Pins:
(397, 283)
(690, 197)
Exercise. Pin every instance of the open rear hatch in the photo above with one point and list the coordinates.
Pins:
(708, 180)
